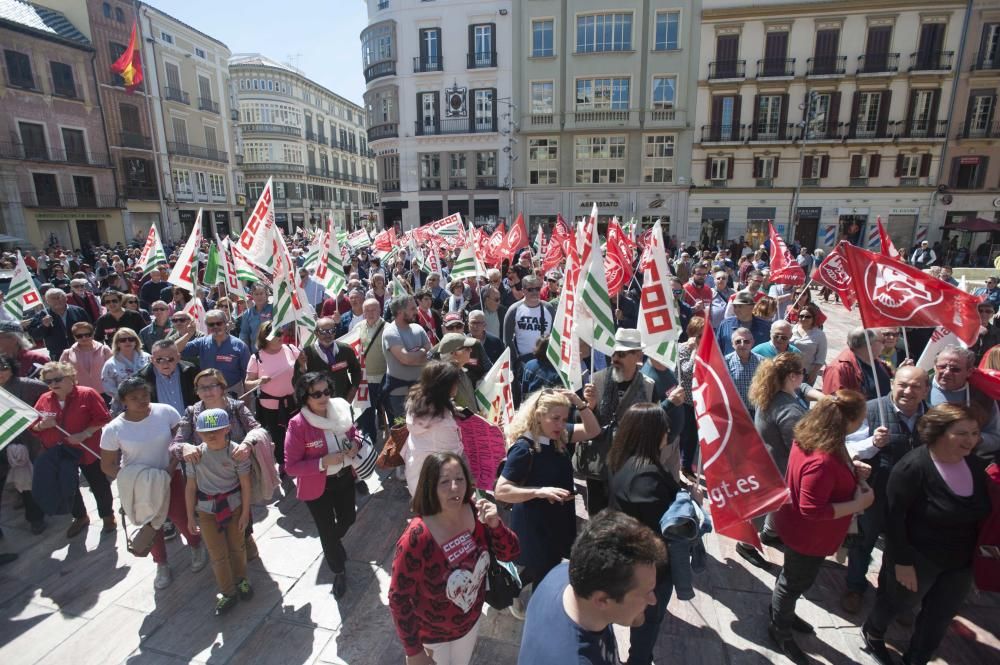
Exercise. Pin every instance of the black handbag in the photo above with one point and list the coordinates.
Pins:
(502, 582)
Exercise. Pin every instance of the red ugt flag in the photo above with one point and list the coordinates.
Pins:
(784, 269)
(891, 293)
(494, 246)
(516, 238)
(888, 249)
(618, 261)
(832, 273)
(742, 480)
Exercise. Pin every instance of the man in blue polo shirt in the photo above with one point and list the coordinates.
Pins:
(219, 350)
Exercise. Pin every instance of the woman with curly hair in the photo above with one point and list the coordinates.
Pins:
(430, 417)
(809, 338)
(766, 308)
(642, 488)
(826, 488)
(538, 475)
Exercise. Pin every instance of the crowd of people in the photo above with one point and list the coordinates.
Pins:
(194, 427)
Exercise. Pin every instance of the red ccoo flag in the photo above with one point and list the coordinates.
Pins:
(129, 63)
(891, 293)
(494, 246)
(742, 480)
(832, 273)
(888, 249)
(784, 269)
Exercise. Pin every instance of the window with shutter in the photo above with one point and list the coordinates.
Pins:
(19, 72)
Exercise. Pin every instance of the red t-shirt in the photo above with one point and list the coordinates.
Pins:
(692, 293)
(437, 591)
(815, 481)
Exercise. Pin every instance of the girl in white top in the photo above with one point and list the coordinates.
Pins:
(430, 417)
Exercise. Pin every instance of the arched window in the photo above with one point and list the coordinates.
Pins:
(119, 15)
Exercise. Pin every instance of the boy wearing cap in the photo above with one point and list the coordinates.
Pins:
(217, 496)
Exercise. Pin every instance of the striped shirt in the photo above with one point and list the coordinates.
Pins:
(742, 374)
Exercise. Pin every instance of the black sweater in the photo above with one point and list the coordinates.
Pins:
(926, 517)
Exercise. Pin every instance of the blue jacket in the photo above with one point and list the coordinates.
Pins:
(683, 525)
(759, 328)
(56, 480)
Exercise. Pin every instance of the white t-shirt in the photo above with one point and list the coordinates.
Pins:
(529, 326)
(146, 442)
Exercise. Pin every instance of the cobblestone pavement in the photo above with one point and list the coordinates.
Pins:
(88, 601)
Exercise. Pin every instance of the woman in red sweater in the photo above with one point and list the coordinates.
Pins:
(439, 572)
(826, 489)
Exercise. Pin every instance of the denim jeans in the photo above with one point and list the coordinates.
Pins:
(643, 639)
(859, 557)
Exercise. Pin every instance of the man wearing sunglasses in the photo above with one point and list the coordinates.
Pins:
(335, 358)
(115, 317)
(952, 369)
(526, 321)
(158, 328)
(52, 325)
(218, 350)
(170, 379)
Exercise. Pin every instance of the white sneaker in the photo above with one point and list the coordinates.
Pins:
(517, 609)
(163, 577)
(199, 558)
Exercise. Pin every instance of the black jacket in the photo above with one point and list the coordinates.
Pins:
(346, 370)
(188, 372)
(57, 337)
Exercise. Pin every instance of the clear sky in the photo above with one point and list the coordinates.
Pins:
(319, 37)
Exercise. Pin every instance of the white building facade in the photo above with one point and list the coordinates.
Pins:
(823, 117)
(438, 107)
(310, 140)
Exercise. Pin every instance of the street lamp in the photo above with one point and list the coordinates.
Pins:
(811, 107)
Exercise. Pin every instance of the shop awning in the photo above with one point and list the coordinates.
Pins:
(977, 225)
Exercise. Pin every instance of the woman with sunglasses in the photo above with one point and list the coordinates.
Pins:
(271, 370)
(80, 411)
(127, 360)
(320, 446)
(87, 356)
(809, 339)
(115, 317)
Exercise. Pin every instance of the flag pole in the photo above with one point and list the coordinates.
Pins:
(878, 390)
(906, 343)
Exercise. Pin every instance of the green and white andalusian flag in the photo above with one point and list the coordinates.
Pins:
(152, 253)
(290, 305)
(22, 294)
(659, 321)
(494, 394)
(214, 272)
(564, 341)
(15, 417)
(595, 316)
(330, 267)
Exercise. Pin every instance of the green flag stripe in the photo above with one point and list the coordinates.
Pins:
(19, 289)
(12, 423)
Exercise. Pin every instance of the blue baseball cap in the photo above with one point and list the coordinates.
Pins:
(210, 420)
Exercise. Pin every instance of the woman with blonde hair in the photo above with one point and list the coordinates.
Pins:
(87, 355)
(826, 490)
(766, 308)
(127, 359)
(537, 476)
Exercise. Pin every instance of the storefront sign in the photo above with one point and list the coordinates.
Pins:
(281, 217)
(853, 211)
(760, 213)
(996, 203)
(809, 213)
(968, 160)
(187, 216)
(904, 211)
(600, 204)
(62, 217)
(298, 217)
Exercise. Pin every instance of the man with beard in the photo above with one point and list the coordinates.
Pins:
(696, 292)
(617, 388)
(405, 345)
(952, 369)
(526, 321)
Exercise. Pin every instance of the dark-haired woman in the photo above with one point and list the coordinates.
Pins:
(642, 488)
(937, 496)
(826, 489)
(438, 573)
(430, 417)
(320, 444)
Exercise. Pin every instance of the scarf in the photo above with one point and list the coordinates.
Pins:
(338, 419)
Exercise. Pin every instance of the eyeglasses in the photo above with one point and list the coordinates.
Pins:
(53, 380)
(83, 335)
(215, 324)
(180, 319)
(533, 289)
(210, 386)
(326, 331)
(780, 338)
(111, 301)
(949, 368)
(318, 394)
(805, 316)
(890, 334)
(159, 309)
(742, 342)
(128, 340)
(165, 361)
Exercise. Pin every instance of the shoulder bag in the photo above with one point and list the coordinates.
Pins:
(503, 584)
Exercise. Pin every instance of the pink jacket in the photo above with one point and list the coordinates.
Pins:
(304, 446)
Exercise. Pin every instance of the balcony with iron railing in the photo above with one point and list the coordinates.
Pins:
(829, 65)
(56, 199)
(142, 192)
(274, 167)
(727, 69)
(176, 95)
(878, 63)
(487, 182)
(919, 129)
(205, 104)
(134, 140)
(931, 61)
(978, 130)
(445, 126)
(390, 185)
(482, 59)
(319, 171)
(722, 133)
(37, 152)
(268, 128)
(197, 151)
(380, 69)
(310, 135)
(775, 68)
(427, 64)
(986, 63)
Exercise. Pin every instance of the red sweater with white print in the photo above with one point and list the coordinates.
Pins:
(437, 591)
